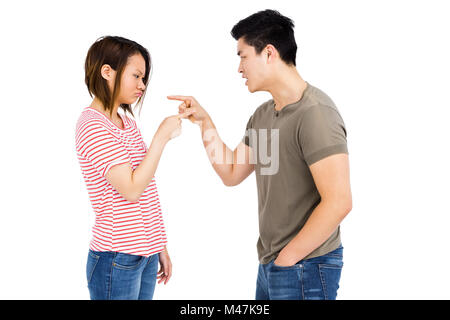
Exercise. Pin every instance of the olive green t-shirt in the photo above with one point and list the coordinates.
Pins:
(285, 143)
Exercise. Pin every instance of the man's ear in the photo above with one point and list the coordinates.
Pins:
(271, 52)
(107, 72)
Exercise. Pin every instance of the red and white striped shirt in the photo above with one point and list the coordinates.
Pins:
(120, 225)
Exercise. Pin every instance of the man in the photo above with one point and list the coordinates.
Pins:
(305, 192)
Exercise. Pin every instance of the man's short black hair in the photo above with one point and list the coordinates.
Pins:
(268, 27)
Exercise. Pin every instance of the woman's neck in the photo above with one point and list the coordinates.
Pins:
(98, 105)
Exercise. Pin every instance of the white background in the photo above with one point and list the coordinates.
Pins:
(384, 63)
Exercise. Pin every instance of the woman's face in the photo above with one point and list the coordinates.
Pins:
(132, 84)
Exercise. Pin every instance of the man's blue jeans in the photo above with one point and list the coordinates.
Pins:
(121, 276)
(311, 279)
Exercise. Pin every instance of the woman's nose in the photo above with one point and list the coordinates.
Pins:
(141, 85)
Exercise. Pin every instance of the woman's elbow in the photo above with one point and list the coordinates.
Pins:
(131, 196)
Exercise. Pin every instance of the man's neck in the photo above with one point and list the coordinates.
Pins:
(288, 87)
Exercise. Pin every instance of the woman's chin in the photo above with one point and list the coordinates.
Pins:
(130, 101)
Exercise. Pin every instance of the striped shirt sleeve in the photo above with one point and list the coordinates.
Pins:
(101, 148)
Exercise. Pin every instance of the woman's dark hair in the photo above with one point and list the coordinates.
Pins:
(268, 27)
(115, 52)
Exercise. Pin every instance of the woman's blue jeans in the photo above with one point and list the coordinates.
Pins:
(311, 279)
(121, 276)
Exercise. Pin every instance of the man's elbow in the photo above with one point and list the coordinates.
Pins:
(229, 182)
(346, 206)
(340, 206)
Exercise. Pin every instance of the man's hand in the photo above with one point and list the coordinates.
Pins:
(231, 166)
(332, 178)
(284, 260)
(198, 114)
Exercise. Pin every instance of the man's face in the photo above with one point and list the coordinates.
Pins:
(252, 66)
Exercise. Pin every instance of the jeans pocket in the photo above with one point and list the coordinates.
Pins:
(330, 274)
(90, 265)
(284, 283)
(295, 266)
(127, 261)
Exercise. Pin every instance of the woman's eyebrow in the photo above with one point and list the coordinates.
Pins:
(139, 71)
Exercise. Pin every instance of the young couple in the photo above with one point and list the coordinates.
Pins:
(302, 198)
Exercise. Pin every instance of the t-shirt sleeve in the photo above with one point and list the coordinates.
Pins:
(322, 133)
(144, 145)
(247, 137)
(101, 148)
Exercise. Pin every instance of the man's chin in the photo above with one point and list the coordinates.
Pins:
(252, 90)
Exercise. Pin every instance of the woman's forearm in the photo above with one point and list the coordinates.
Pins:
(144, 173)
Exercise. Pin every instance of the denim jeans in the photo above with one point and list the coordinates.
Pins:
(121, 276)
(311, 279)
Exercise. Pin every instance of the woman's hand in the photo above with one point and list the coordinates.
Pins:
(170, 127)
(165, 272)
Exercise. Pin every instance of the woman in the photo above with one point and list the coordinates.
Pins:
(128, 238)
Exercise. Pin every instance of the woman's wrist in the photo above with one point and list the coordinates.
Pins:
(160, 141)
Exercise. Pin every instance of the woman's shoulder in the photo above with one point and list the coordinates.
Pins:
(90, 124)
(88, 118)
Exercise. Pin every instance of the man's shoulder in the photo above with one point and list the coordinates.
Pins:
(316, 96)
(263, 108)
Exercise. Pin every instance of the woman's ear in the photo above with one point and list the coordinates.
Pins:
(107, 72)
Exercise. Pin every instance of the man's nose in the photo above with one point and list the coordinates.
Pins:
(240, 70)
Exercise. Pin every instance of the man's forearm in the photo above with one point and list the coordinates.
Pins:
(220, 156)
(323, 221)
